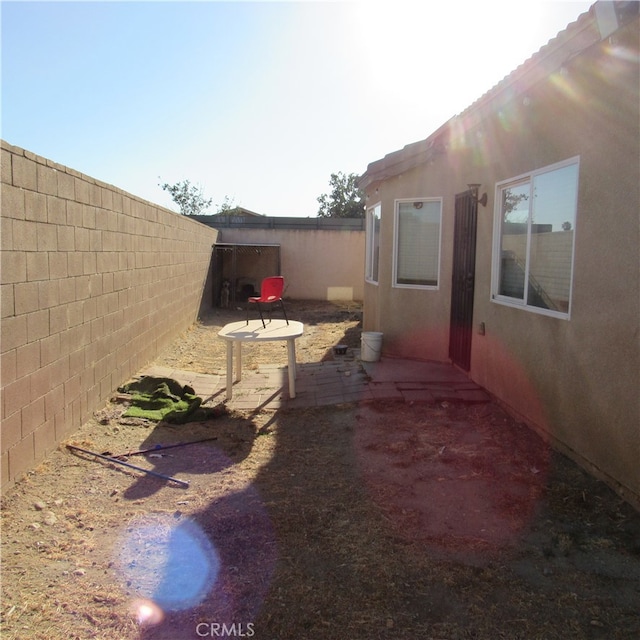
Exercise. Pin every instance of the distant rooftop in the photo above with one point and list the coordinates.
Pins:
(257, 221)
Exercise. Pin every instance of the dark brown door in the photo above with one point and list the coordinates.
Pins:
(463, 280)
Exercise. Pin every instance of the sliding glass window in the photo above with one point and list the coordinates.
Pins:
(534, 230)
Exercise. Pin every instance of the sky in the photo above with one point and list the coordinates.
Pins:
(257, 103)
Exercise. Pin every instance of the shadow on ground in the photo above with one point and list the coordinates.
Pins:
(404, 522)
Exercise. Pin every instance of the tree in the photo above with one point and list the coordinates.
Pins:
(345, 200)
(227, 207)
(188, 197)
(510, 202)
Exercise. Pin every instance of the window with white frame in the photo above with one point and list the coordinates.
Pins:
(372, 261)
(534, 239)
(417, 243)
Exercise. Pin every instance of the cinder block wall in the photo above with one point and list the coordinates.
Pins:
(95, 282)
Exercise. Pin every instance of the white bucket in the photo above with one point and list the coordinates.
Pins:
(370, 346)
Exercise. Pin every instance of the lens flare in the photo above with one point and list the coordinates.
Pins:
(171, 566)
(456, 480)
(146, 613)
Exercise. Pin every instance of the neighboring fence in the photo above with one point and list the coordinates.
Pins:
(95, 282)
(320, 258)
(317, 263)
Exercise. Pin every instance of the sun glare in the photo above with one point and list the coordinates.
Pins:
(436, 59)
(432, 59)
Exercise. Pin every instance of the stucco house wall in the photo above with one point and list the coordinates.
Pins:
(95, 282)
(574, 379)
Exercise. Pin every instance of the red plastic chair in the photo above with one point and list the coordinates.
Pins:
(270, 292)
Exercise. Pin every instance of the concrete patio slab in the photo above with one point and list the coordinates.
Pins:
(343, 380)
(400, 370)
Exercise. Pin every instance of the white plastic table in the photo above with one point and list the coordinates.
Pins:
(236, 333)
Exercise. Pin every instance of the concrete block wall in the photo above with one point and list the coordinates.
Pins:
(94, 282)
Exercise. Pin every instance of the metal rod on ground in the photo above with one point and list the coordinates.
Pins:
(162, 448)
(182, 483)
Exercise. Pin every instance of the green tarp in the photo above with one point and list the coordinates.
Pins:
(162, 399)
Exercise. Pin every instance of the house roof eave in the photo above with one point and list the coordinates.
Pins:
(410, 155)
(578, 36)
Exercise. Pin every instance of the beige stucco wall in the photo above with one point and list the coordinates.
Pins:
(577, 379)
(415, 323)
(316, 264)
(95, 282)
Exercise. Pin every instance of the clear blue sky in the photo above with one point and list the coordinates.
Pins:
(256, 101)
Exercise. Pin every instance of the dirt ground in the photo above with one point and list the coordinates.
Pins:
(356, 522)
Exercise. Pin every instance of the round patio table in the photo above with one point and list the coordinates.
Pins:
(236, 333)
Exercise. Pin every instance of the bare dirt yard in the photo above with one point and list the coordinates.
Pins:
(385, 521)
